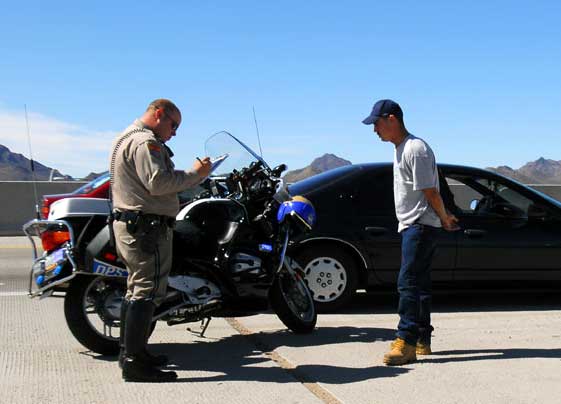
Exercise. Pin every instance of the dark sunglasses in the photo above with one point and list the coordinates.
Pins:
(174, 125)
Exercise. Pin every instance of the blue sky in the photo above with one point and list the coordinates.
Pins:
(478, 80)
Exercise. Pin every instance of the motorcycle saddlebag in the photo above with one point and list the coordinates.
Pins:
(101, 257)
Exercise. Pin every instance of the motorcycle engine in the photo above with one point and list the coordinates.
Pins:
(245, 263)
(198, 290)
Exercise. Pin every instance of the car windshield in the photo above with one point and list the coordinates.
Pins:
(533, 190)
(92, 185)
(228, 154)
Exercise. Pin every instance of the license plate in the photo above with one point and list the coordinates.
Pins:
(54, 259)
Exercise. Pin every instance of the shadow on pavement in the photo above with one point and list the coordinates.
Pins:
(492, 354)
(239, 357)
(325, 336)
(459, 301)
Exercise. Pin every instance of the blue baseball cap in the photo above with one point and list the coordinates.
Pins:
(383, 108)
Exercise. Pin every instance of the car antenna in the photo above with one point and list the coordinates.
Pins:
(33, 179)
(257, 130)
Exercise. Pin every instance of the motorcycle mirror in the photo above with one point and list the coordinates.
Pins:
(278, 170)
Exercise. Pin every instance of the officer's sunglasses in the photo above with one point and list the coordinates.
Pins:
(174, 125)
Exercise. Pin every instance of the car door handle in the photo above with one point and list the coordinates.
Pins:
(474, 232)
(375, 230)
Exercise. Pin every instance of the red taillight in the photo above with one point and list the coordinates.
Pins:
(53, 239)
(110, 257)
(45, 209)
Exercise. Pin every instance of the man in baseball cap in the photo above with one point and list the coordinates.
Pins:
(421, 214)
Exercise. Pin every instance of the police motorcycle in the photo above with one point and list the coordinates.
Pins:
(229, 253)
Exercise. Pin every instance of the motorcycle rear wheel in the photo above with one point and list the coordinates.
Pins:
(291, 300)
(92, 308)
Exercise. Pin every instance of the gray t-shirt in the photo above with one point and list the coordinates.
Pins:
(414, 169)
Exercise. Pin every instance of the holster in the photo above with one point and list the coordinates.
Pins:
(148, 233)
(146, 228)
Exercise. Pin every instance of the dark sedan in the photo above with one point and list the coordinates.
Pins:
(510, 234)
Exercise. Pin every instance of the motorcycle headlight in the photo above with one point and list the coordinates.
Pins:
(298, 209)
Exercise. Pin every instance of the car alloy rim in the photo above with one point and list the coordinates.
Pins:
(326, 277)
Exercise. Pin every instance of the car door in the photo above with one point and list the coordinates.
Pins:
(375, 216)
(500, 238)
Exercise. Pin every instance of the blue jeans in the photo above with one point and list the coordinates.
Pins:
(414, 283)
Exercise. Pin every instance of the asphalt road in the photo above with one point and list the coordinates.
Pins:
(490, 348)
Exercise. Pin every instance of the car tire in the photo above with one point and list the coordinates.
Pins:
(331, 275)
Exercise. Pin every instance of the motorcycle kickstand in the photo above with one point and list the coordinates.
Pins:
(204, 326)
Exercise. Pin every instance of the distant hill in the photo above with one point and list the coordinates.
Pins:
(319, 165)
(92, 176)
(541, 171)
(16, 167)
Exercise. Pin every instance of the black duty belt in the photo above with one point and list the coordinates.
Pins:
(132, 216)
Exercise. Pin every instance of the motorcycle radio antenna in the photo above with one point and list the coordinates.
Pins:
(32, 164)
(257, 130)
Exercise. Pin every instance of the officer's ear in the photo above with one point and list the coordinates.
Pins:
(158, 112)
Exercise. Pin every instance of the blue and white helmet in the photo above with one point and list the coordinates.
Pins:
(300, 209)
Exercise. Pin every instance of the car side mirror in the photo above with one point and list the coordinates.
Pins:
(473, 204)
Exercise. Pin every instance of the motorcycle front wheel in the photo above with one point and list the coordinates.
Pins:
(92, 308)
(291, 300)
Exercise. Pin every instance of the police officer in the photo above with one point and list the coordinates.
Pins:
(144, 186)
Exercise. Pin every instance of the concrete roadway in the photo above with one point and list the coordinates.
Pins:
(488, 349)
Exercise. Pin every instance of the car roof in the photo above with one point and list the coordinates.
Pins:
(446, 166)
(319, 181)
(336, 174)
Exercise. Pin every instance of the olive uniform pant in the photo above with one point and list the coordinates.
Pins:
(148, 272)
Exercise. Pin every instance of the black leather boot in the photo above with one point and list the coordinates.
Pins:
(154, 360)
(124, 308)
(136, 365)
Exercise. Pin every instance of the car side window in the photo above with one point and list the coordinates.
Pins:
(375, 194)
(482, 196)
(505, 197)
(463, 194)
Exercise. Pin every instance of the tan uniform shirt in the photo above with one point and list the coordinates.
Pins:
(144, 178)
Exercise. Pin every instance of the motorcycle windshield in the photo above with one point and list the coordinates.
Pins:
(228, 153)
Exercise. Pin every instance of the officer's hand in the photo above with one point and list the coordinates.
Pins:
(202, 166)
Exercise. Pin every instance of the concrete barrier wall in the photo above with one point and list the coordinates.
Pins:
(552, 190)
(18, 200)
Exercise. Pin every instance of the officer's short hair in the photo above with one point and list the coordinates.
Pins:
(168, 106)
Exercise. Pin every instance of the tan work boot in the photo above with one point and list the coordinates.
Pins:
(423, 349)
(401, 353)
(420, 348)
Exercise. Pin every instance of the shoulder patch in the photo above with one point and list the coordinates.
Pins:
(154, 149)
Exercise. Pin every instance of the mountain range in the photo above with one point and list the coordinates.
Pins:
(16, 167)
(319, 165)
(541, 171)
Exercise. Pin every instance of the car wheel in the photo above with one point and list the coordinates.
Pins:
(331, 276)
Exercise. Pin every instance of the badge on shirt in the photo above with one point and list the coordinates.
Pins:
(155, 149)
